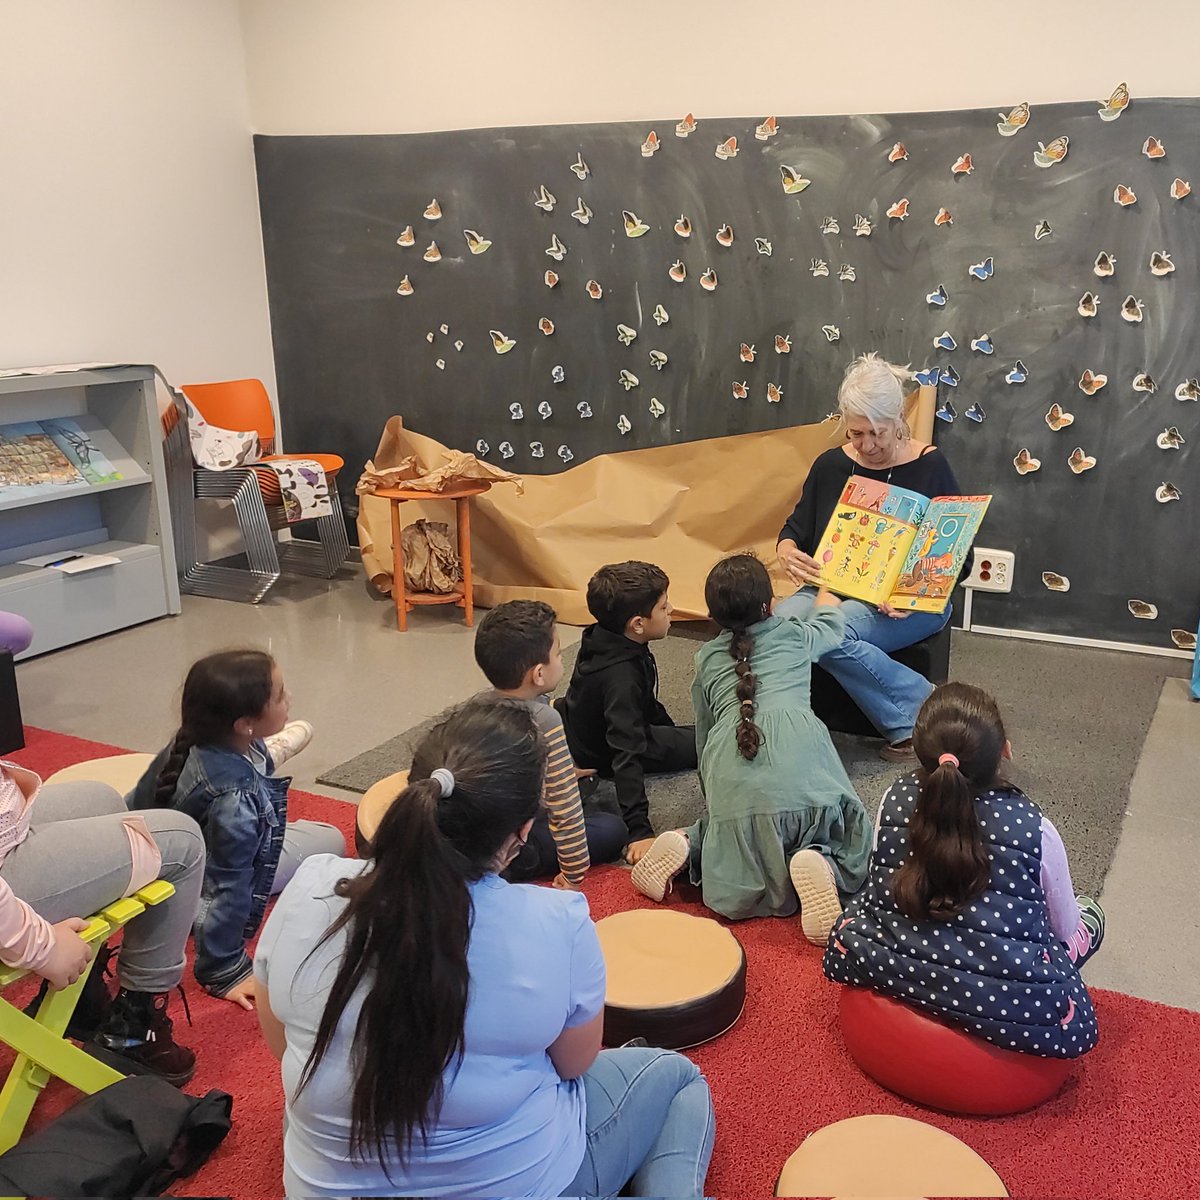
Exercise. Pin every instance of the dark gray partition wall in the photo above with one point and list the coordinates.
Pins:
(351, 351)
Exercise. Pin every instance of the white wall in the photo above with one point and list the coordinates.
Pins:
(397, 66)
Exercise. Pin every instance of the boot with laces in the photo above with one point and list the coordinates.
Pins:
(136, 1039)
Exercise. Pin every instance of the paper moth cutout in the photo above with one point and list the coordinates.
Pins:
(433, 210)
(1025, 463)
(1090, 383)
(501, 343)
(686, 126)
(1056, 582)
(544, 200)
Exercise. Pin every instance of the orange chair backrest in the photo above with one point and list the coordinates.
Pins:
(241, 404)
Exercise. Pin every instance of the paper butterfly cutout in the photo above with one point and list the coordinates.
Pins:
(1018, 374)
(982, 270)
(936, 297)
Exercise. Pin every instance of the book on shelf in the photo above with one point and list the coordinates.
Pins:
(45, 456)
(887, 545)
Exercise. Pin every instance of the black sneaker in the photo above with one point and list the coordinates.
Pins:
(94, 1003)
(135, 1039)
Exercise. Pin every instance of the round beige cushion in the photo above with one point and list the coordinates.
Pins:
(378, 798)
(121, 771)
(673, 979)
(886, 1156)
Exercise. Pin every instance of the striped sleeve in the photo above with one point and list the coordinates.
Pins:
(563, 808)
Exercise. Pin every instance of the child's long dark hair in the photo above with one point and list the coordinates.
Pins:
(219, 690)
(408, 919)
(738, 593)
(947, 865)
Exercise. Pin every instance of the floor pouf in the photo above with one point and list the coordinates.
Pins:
(378, 799)
(121, 771)
(939, 1066)
(673, 979)
(886, 1156)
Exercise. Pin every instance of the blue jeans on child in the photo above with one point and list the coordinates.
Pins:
(889, 693)
(650, 1125)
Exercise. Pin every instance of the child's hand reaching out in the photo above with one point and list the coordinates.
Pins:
(242, 994)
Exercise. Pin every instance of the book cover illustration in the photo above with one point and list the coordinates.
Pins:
(938, 551)
(81, 450)
(31, 463)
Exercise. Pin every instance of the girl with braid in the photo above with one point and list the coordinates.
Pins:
(783, 821)
(220, 769)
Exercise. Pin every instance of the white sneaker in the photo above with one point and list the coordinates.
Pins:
(667, 856)
(820, 905)
(288, 742)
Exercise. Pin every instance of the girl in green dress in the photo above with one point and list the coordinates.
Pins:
(783, 822)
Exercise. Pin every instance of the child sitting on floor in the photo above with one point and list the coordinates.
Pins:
(783, 819)
(220, 769)
(611, 712)
(969, 910)
(517, 648)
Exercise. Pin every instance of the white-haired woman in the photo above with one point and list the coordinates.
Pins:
(879, 445)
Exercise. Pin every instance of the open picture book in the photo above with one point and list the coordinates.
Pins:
(887, 545)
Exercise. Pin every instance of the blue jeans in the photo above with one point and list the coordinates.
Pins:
(650, 1125)
(889, 693)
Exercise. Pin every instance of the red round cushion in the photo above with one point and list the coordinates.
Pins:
(939, 1066)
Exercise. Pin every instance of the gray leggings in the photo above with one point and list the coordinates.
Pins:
(76, 859)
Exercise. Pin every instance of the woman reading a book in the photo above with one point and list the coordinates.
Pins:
(879, 446)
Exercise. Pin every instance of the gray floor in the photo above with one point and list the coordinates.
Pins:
(362, 682)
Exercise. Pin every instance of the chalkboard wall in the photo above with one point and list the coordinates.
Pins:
(351, 351)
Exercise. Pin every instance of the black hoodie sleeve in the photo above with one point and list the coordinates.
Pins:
(625, 733)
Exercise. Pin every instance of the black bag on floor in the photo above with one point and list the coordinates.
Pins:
(131, 1139)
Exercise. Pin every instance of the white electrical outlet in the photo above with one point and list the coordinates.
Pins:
(992, 571)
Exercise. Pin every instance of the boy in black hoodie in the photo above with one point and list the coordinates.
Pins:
(611, 713)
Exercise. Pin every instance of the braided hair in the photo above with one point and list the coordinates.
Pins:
(219, 690)
(738, 593)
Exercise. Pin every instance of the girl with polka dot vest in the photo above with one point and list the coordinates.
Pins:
(968, 911)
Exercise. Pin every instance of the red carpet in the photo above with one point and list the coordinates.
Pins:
(1125, 1126)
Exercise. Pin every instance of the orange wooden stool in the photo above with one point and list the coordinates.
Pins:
(463, 596)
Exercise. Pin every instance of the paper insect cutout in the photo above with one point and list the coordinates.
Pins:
(581, 169)
(1142, 609)
(440, 364)
(481, 448)
(962, 165)
(830, 225)
(763, 246)
(946, 412)
(677, 271)
(1185, 639)
(982, 270)
(458, 345)
(1115, 105)
(832, 333)
(746, 353)
(634, 225)
(975, 413)
(727, 149)
(516, 412)
(1042, 230)
(774, 393)
(544, 200)
(407, 237)
(683, 227)
(1014, 121)
(546, 326)
(1132, 310)
(1166, 492)
(1056, 582)
(581, 212)
(433, 211)
(500, 342)
(1104, 265)
(983, 344)
(862, 226)
(594, 289)
(1124, 196)
(783, 345)
(936, 297)
(623, 425)
(405, 288)
(897, 153)
(545, 411)
(658, 359)
(945, 341)
(1153, 148)
(628, 380)
(1018, 374)
(1057, 419)
(686, 126)
(768, 128)
(846, 273)
(556, 249)
(656, 407)
(740, 390)
(432, 253)
(1090, 383)
(476, 243)
(506, 450)
(650, 145)
(661, 316)
(584, 409)
(949, 376)
(625, 335)
(1160, 263)
(564, 452)
(1188, 390)
(793, 182)
(1079, 461)
(551, 278)
(1089, 305)
(1144, 383)
(725, 235)
(1055, 152)
(708, 281)
(943, 217)
(819, 268)
(1025, 463)
(557, 374)
(899, 210)
(1180, 188)
(930, 377)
